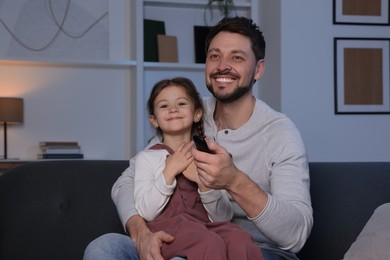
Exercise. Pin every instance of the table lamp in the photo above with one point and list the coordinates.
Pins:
(11, 112)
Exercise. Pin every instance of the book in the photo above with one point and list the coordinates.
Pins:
(58, 143)
(151, 29)
(167, 48)
(60, 149)
(61, 156)
(200, 34)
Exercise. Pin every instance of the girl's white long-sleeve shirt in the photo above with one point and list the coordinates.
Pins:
(152, 193)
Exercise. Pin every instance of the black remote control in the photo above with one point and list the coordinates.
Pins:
(201, 144)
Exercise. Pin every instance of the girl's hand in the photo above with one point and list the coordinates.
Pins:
(191, 173)
(177, 162)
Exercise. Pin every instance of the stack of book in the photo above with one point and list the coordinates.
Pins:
(60, 150)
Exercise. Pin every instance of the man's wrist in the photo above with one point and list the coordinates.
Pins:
(247, 194)
(137, 228)
(236, 181)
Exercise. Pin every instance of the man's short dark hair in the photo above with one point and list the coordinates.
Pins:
(243, 26)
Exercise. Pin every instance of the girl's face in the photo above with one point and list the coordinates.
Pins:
(174, 111)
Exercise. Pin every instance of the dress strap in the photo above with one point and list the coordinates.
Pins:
(162, 146)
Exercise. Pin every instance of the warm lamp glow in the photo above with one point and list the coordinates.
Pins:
(11, 112)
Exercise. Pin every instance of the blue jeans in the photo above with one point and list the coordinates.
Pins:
(113, 246)
(120, 247)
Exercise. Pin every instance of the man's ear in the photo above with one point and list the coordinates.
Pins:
(198, 115)
(260, 68)
(153, 121)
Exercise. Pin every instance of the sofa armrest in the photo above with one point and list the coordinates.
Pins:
(374, 240)
(344, 196)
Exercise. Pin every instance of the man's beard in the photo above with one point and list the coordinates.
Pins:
(231, 97)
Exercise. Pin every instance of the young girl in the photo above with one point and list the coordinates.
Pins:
(168, 193)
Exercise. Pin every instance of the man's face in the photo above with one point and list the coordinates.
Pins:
(231, 67)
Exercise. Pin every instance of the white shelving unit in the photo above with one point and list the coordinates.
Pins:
(180, 17)
(132, 78)
(72, 63)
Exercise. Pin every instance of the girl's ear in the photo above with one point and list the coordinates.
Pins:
(198, 115)
(153, 121)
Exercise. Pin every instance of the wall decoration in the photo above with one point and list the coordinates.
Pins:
(151, 29)
(225, 8)
(167, 48)
(361, 12)
(48, 29)
(200, 34)
(361, 75)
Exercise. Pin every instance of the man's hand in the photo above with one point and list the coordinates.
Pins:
(216, 171)
(149, 244)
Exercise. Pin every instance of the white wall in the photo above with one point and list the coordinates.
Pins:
(270, 24)
(89, 101)
(95, 105)
(88, 105)
(308, 89)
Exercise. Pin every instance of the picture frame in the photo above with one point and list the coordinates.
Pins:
(362, 12)
(361, 75)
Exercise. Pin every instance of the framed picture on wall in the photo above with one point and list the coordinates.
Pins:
(361, 12)
(361, 75)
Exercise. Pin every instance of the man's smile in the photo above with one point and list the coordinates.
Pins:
(218, 79)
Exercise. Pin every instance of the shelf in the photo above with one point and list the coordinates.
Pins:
(6, 165)
(191, 3)
(176, 66)
(68, 62)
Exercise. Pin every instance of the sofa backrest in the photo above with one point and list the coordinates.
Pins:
(53, 209)
(344, 196)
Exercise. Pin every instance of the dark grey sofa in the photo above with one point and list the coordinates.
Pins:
(53, 209)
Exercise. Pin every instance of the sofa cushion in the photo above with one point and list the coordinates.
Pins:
(374, 240)
(53, 209)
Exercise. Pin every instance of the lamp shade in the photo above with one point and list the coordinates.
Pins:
(11, 110)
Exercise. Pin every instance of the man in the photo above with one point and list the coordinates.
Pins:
(258, 156)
